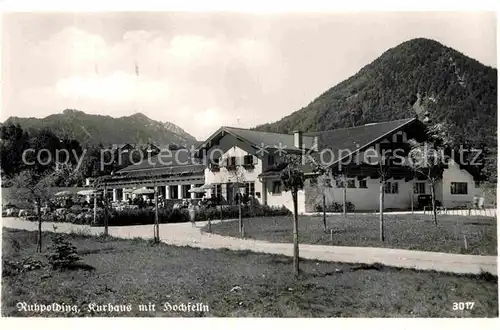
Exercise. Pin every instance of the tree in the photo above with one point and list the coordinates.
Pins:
(156, 227)
(293, 179)
(324, 182)
(383, 172)
(13, 141)
(429, 158)
(67, 175)
(34, 188)
(237, 177)
(98, 182)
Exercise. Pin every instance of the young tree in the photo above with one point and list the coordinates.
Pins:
(156, 228)
(34, 187)
(293, 179)
(236, 175)
(324, 182)
(100, 183)
(428, 158)
(383, 172)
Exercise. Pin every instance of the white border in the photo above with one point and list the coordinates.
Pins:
(262, 6)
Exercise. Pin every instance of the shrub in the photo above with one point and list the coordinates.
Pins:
(168, 215)
(143, 217)
(63, 254)
(15, 267)
(335, 207)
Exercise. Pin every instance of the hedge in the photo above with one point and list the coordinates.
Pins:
(130, 217)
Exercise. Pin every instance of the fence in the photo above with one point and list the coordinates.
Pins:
(490, 212)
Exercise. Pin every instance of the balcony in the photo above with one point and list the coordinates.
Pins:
(214, 167)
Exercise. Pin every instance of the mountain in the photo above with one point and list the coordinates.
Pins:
(94, 129)
(416, 76)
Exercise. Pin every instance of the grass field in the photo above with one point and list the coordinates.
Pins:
(233, 283)
(413, 232)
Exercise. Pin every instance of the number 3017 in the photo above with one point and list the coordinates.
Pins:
(460, 306)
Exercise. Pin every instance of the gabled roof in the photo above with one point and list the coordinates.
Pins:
(165, 160)
(351, 139)
(119, 146)
(260, 139)
(359, 137)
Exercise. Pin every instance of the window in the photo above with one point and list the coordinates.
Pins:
(351, 183)
(419, 188)
(458, 188)
(362, 184)
(276, 187)
(218, 190)
(185, 191)
(248, 160)
(250, 188)
(231, 161)
(270, 159)
(399, 137)
(391, 188)
(339, 183)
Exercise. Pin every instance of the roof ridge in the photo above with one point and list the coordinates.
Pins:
(254, 130)
(369, 124)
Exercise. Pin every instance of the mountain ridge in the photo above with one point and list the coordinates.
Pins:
(104, 129)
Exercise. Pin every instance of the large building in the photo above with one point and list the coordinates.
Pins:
(240, 160)
(174, 172)
(250, 160)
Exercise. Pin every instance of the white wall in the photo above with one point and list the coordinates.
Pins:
(230, 147)
(364, 199)
(454, 174)
(367, 199)
(285, 198)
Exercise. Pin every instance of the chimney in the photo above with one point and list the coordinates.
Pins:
(297, 139)
(315, 143)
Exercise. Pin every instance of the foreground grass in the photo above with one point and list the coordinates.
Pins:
(413, 232)
(233, 283)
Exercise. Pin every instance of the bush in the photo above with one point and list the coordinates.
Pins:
(63, 254)
(76, 216)
(335, 207)
(15, 267)
(168, 215)
(143, 217)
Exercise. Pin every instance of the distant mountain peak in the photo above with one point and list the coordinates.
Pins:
(417, 76)
(73, 112)
(140, 116)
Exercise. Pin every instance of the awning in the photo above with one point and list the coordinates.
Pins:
(88, 192)
(197, 190)
(143, 191)
(63, 193)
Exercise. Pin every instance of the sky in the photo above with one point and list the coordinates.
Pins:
(205, 70)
